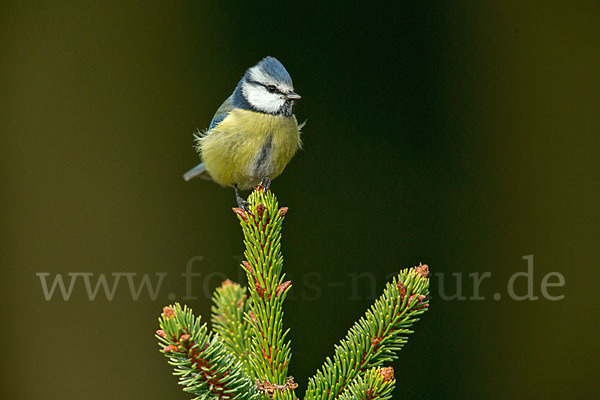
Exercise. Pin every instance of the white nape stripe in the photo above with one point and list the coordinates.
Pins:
(258, 75)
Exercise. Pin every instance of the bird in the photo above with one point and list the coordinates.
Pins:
(253, 134)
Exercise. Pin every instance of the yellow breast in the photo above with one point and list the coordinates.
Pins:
(248, 146)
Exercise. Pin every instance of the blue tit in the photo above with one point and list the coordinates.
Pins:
(254, 134)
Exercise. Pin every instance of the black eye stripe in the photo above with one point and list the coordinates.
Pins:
(270, 88)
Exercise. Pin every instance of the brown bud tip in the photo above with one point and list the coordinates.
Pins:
(260, 290)
(369, 394)
(283, 211)
(375, 341)
(246, 266)
(170, 348)
(241, 213)
(401, 289)
(168, 312)
(419, 298)
(387, 373)
(226, 283)
(289, 382)
(423, 270)
(161, 333)
(252, 316)
(421, 301)
(282, 288)
(185, 337)
(260, 210)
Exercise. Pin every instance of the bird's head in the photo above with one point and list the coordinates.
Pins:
(267, 87)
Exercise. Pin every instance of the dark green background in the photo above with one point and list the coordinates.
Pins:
(463, 135)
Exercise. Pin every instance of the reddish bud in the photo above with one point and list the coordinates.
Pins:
(161, 333)
(419, 298)
(260, 210)
(252, 316)
(241, 213)
(282, 288)
(375, 341)
(283, 211)
(246, 266)
(226, 283)
(422, 269)
(185, 337)
(170, 348)
(401, 289)
(168, 312)
(387, 373)
(369, 394)
(260, 290)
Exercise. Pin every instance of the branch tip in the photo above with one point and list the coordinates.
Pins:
(185, 337)
(387, 373)
(283, 287)
(226, 283)
(423, 270)
(169, 348)
(168, 312)
(240, 213)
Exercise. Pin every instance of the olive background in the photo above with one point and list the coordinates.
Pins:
(461, 135)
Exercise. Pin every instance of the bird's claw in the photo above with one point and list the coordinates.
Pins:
(243, 204)
(265, 184)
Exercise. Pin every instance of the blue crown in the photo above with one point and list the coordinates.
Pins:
(275, 69)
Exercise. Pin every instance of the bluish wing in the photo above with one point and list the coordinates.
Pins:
(222, 112)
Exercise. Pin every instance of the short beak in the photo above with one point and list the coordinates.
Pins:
(293, 96)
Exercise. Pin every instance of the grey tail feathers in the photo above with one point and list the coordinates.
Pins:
(198, 170)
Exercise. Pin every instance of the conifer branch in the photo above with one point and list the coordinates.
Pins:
(205, 368)
(376, 337)
(246, 356)
(230, 306)
(375, 384)
(270, 351)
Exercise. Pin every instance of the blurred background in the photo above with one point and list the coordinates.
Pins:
(464, 136)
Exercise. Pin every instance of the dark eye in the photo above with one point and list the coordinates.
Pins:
(271, 88)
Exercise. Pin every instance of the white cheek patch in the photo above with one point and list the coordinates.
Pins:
(261, 99)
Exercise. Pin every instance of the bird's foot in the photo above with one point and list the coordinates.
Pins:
(243, 204)
(265, 184)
